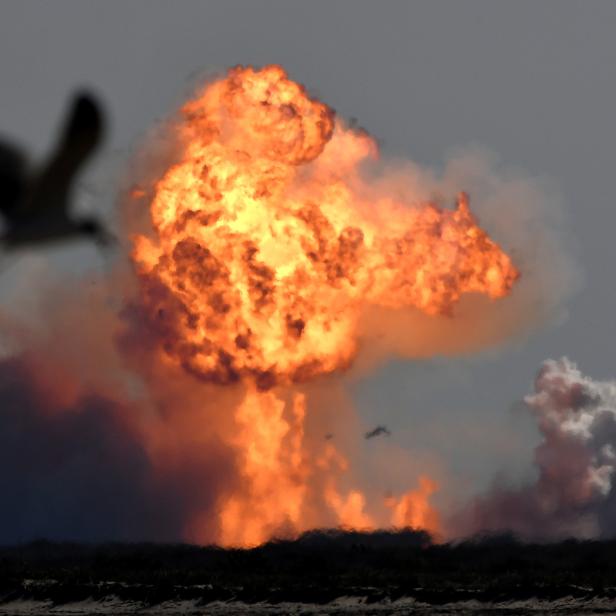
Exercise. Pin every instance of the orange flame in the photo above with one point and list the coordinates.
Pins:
(268, 245)
(272, 467)
(413, 509)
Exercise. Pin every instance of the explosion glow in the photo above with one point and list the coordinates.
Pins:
(268, 246)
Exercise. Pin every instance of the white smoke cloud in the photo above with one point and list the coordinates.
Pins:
(574, 493)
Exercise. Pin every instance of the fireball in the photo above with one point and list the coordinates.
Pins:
(268, 245)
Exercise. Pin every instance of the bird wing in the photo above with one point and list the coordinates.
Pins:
(83, 132)
(12, 180)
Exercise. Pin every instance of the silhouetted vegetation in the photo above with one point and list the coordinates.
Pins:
(317, 567)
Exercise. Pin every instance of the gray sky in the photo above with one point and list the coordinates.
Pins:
(533, 81)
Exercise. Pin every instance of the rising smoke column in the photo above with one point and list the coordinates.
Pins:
(573, 494)
(268, 248)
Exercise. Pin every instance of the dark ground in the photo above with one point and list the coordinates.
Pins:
(316, 568)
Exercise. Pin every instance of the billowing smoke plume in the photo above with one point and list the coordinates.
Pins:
(78, 470)
(271, 251)
(573, 494)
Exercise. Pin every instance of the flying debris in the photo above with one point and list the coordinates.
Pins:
(36, 209)
(377, 432)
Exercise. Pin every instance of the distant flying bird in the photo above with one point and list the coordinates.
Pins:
(36, 209)
(329, 436)
(377, 432)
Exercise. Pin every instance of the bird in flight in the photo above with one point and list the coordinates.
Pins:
(36, 209)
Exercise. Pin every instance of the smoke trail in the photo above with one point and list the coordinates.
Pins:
(573, 494)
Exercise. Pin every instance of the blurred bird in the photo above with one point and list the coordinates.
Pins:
(36, 210)
(377, 432)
